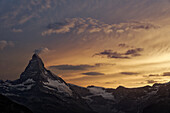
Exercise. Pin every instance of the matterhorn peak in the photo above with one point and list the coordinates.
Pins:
(36, 60)
(36, 70)
(35, 64)
(35, 56)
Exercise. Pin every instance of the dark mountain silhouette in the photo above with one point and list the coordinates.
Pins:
(43, 92)
(8, 106)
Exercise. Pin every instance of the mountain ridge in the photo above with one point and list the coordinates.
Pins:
(42, 91)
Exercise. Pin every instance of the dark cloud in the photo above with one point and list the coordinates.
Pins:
(111, 54)
(93, 73)
(104, 64)
(134, 52)
(123, 45)
(72, 67)
(128, 54)
(166, 74)
(79, 67)
(41, 50)
(156, 75)
(153, 75)
(151, 81)
(129, 73)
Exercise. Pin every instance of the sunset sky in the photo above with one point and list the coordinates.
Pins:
(105, 43)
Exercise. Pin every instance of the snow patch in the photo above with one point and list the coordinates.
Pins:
(62, 87)
(152, 92)
(49, 88)
(9, 94)
(28, 87)
(98, 91)
(46, 72)
(23, 86)
(29, 81)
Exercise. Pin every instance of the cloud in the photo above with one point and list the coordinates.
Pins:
(93, 73)
(60, 27)
(41, 50)
(166, 74)
(129, 73)
(151, 81)
(90, 25)
(104, 64)
(153, 75)
(111, 82)
(111, 54)
(123, 45)
(17, 30)
(128, 54)
(79, 67)
(4, 43)
(72, 67)
(134, 52)
(158, 75)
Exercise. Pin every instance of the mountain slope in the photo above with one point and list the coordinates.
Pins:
(8, 106)
(42, 92)
(146, 99)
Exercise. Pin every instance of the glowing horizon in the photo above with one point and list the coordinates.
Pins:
(103, 43)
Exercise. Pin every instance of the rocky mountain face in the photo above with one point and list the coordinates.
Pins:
(8, 106)
(42, 91)
(146, 99)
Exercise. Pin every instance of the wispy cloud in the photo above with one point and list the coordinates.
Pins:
(158, 75)
(114, 54)
(17, 30)
(72, 67)
(123, 45)
(89, 25)
(129, 73)
(4, 43)
(151, 81)
(41, 50)
(79, 67)
(93, 73)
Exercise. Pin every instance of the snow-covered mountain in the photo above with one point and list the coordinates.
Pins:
(42, 92)
(146, 99)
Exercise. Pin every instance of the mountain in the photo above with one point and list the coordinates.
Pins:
(8, 106)
(42, 91)
(146, 99)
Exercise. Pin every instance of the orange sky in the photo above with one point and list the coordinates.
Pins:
(104, 43)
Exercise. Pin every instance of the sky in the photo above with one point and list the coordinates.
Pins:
(105, 43)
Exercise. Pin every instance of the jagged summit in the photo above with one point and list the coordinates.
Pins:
(36, 57)
(36, 71)
(43, 92)
(38, 76)
(35, 63)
